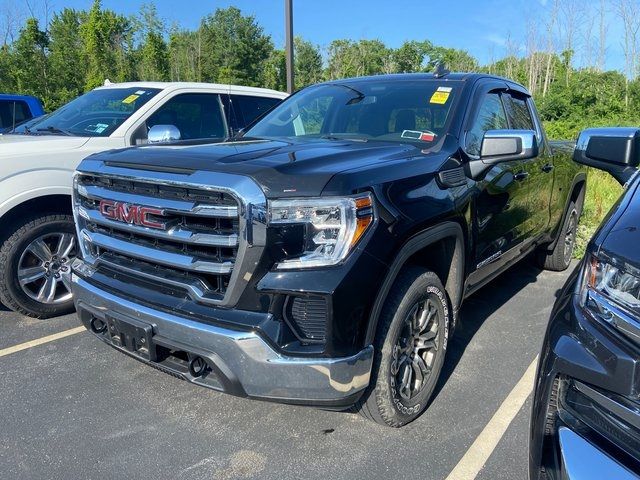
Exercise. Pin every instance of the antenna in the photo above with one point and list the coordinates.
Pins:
(441, 71)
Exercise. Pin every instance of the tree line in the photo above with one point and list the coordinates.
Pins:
(562, 59)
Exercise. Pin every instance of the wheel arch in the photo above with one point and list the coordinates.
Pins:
(578, 192)
(418, 250)
(46, 204)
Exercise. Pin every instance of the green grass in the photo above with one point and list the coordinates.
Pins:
(602, 193)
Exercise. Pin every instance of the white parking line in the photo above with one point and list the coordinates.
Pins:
(474, 459)
(40, 341)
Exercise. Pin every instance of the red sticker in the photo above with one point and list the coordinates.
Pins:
(427, 136)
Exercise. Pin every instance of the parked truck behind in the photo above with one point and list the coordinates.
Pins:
(38, 158)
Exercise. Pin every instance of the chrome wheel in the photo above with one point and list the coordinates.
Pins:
(570, 236)
(415, 351)
(44, 268)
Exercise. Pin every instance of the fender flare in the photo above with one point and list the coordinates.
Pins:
(580, 177)
(453, 285)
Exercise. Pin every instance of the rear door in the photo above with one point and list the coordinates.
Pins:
(539, 170)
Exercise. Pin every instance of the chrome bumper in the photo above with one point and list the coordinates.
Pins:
(583, 461)
(242, 361)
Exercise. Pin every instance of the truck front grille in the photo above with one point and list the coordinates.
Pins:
(170, 235)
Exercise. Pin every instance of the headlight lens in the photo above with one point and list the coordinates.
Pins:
(333, 226)
(621, 284)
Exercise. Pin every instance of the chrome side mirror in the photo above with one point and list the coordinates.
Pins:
(505, 145)
(163, 134)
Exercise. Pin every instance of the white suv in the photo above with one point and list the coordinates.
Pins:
(38, 158)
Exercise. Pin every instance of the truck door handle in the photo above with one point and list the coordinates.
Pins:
(520, 176)
(547, 168)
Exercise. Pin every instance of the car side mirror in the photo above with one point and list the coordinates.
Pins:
(614, 150)
(163, 134)
(504, 146)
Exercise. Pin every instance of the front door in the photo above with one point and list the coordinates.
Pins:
(501, 207)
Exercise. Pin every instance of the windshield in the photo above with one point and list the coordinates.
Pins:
(406, 111)
(95, 114)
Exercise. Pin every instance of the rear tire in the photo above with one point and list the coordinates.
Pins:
(560, 257)
(410, 347)
(35, 266)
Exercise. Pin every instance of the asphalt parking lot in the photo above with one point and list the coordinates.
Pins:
(73, 408)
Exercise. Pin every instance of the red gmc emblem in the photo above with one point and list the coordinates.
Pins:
(132, 214)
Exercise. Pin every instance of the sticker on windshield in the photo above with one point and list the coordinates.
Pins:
(441, 95)
(130, 99)
(140, 92)
(417, 135)
(97, 128)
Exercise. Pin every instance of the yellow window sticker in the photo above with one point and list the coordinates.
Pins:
(441, 95)
(130, 99)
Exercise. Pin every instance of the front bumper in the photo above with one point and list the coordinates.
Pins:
(588, 376)
(238, 362)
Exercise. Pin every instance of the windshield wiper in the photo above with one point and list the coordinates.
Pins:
(54, 130)
(347, 137)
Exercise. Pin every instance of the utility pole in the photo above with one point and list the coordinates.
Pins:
(288, 46)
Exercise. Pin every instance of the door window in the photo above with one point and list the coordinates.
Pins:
(491, 116)
(196, 115)
(12, 113)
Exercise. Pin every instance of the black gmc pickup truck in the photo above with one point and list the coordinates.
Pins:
(322, 258)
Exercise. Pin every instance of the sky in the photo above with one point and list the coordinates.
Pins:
(478, 26)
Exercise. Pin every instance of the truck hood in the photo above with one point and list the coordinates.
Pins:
(281, 168)
(18, 145)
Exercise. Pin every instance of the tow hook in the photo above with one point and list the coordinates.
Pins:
(97, 325)
(197, 366)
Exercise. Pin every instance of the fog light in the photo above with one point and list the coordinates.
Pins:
(307, 316)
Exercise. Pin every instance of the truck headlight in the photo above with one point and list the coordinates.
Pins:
(332, 227)
(619, 284)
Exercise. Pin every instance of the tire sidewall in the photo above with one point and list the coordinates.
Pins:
(424, 287)
(13, 249)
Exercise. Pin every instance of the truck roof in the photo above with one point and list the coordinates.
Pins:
(11, 97)
(239, 89)
(460, 76)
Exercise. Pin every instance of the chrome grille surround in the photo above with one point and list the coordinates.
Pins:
(216, 229)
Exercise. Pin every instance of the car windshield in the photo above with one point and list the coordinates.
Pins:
(95, 114)
(404, 111)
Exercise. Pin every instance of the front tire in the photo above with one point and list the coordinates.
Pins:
(35, 266)
(410, 347)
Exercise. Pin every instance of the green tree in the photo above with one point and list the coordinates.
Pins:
(152, 54)
(108, 42)
(236, 48)
(30, 62)
(365, 57)
(410, 57)
(275, 71)
(185, 49)
(308, 63)
(66, 57)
